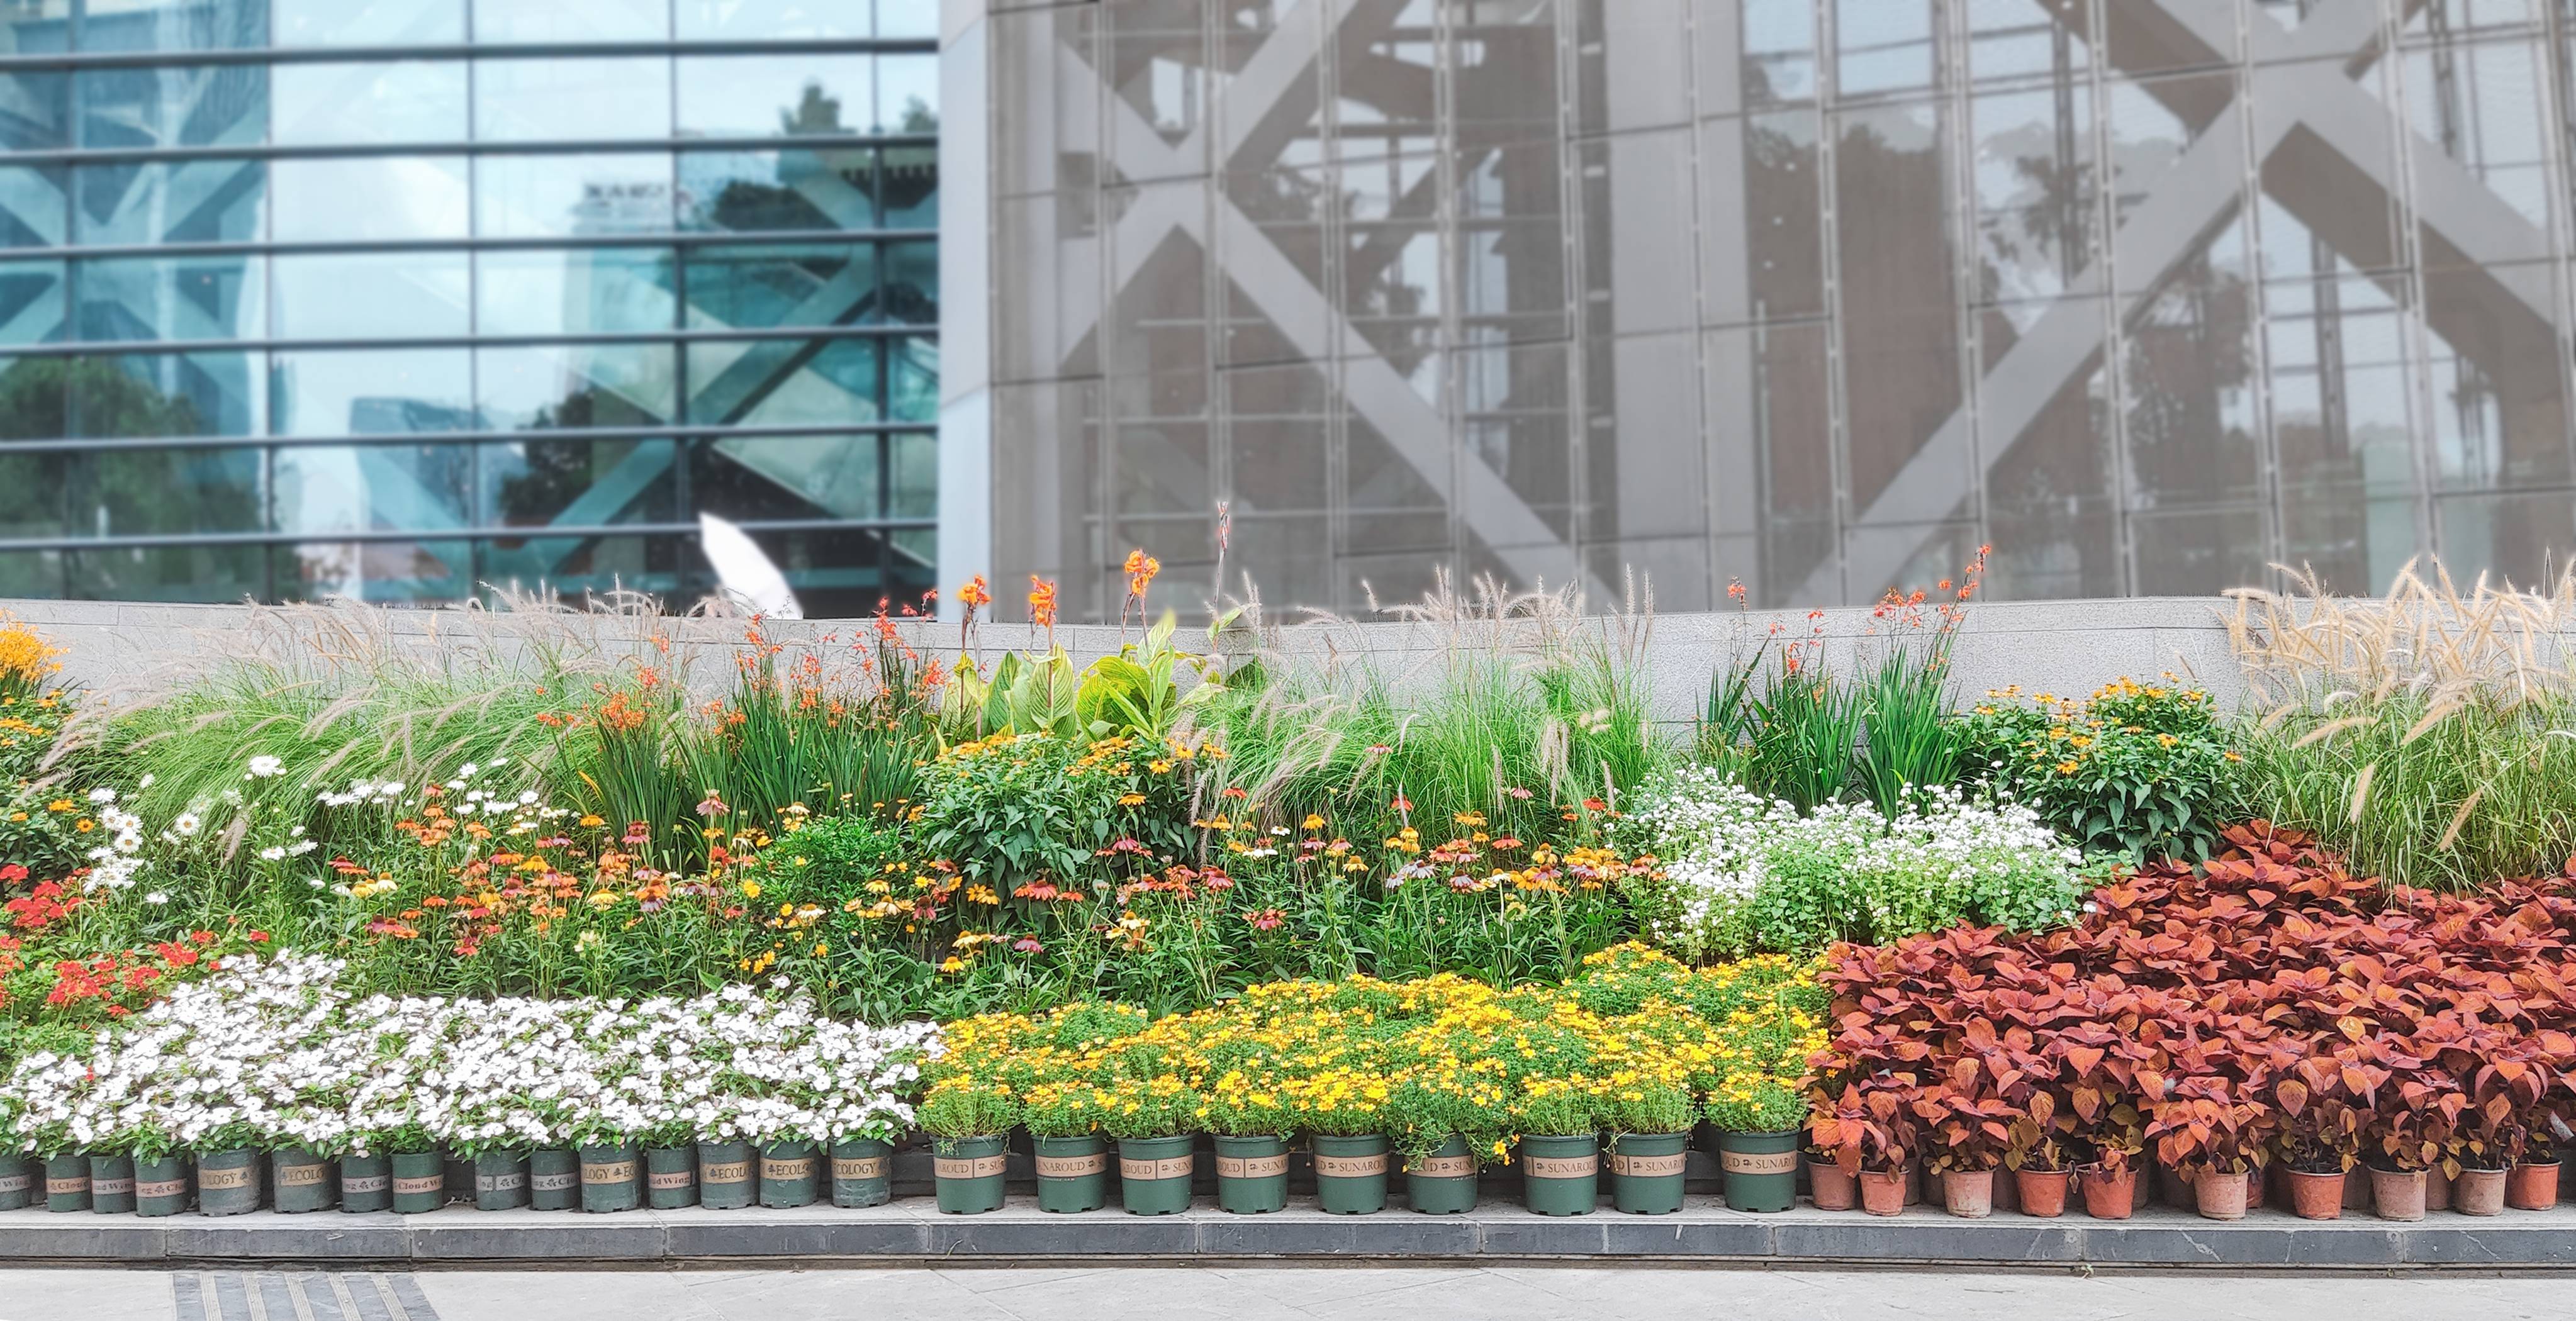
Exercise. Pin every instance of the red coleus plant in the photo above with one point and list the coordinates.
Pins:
(1870, 1129)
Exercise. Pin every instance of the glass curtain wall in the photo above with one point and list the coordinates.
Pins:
(401, 298)
(1812, 295)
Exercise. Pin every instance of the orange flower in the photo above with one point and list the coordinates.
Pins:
(976, 594)
(1041, 602)
(1141, 569)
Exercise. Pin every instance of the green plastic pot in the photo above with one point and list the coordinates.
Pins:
(862, 1172)
(1252, 1175)
(161, 1186)
(1073, 1174)
(791, 1174)
(1444, 1182)
(1350, 1173)
(1154, 1174)
(500, 1180)
(228, 1181)
(554, 1179)
(612, 1178)
(727, 1179)
(1561, 1175)
(420, 1182)
(670, 1177)
(18, 1176)
(1760, 1170)
(1646, 1171)
(968, 1173)
(366, 1182)
(111, 1184)
(300, 1181)
(67, 1182)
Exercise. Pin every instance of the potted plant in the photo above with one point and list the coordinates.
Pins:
(1246, 1118)
(2505, 1090)
(969, 1123)
(2038, 1156)
(1758, 1122)
(2220, 1142)
(2400, 1147)
(2320, 1135)
(1340, 1109)
(1445, 1125)
(1650, 1122)
(1560, 1146)
(1872, 1136)
(1965, 1131)
(1063, 1120)
(612, 1161)
(111, 1181)
(1151, 1115)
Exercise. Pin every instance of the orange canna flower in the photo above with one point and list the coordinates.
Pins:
(1041, 602)
(1141, 569)
(976, 593)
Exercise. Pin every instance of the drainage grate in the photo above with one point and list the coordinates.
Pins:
(277, 1296)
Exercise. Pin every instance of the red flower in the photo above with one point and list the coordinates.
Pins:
(1028, 945)
(1267, 919)
(13, 873)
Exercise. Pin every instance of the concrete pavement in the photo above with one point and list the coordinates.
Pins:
(1344, 1293)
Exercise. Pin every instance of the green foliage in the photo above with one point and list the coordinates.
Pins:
(1804, 728)
(1911, 743)
(2138, 772)
(1015, 808)
(1758, 1105)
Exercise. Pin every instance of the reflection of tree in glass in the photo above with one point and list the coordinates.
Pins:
(117, 491)
(814, 113)
(557, 472)
(36, 402)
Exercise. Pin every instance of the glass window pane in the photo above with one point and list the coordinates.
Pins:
(180, 105)
(174, 25)
(369, 295)
(749, 96)
(907, 93)
(597, 291)
(577, 385)
(911, 188)
(368, 22)
(31, 302)
(751, 478)
(211, 574)
(600, 565)
(35, 205)
(916, 476)
(907, 18)
(912, 283)
(800, 285)
(912, 380)
(360, 488)
(143, 492)
(576, 483)
(773, 190)
(172, 298)
(36, 27)
(167, 394)
(571, 20)
(783, 382)
(1885, 45)
(750, 20)
(407, 197)
(343, 392)
(35, 111)
(170, 202)
(401, 101)
(583, 100)
(34, 398)
(566, 196)
(31, 496)
(396, 572)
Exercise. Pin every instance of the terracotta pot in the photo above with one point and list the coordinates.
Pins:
(2221, 1196)
(2478, 1192)
(2398, 1194)
(2316, 1196)
(2109, 1194)
(1969, 1193)
(2532, 1186)
(2437, 1189)
(2043, 1192)
(1882, 1192)
(1833, 1187)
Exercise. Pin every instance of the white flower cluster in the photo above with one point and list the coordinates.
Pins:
(1744, 873)
(114, 864)
(277, 1054)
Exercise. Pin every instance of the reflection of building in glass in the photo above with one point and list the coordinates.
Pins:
(1814, 294)
(427, 294)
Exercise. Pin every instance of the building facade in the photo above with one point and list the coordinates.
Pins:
(400, 298)
(1814, 296)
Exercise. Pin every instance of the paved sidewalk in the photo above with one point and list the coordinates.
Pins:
(1494, 1293)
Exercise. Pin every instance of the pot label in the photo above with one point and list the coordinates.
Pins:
(552, 1183)
(1649, 1167)
(609, 1171)
(500, 1183)
(725, 1171)
(1758, 1162)
(872, 1167)
(1170, 1167)
(1444, 1167)
(1073, 1167)
(220, 1180)
(66, 1187)
(16, 1183)
(670, 1179)
(786, 1169)
(1562, 1167)
(303, 1176)
(110, 1187)
(163, 1188)
(1251, 1167)
(363, 1183)
(408, 1187)
(1349, 1167)
(965, 1167)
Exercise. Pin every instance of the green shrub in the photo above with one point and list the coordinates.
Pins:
(2138, 771)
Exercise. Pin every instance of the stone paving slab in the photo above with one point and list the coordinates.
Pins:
(911, 1230)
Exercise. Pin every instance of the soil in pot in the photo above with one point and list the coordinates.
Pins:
(1350, 1173)
(1444, 1182)
(111, 1184)
(2397, 1194)
(670, 1177)
(727, 1179)
(2532, 1186)
(968, 1173)
(1829, 1183)
(161, 1186)
(1882, 1192)
(1646, 1171)
(2043, 1192)
(862, 1173)
(612, 1178)
(2316, 1195)
(228, 1182)
(1759, 1173)
(791, 1174)
(366, 1182)
(302, 1180)
(1073, 1174)
(554, 1179)
(2478, 1192)
(1251, 1174)
(1561, 1176)
(1154, 1174)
